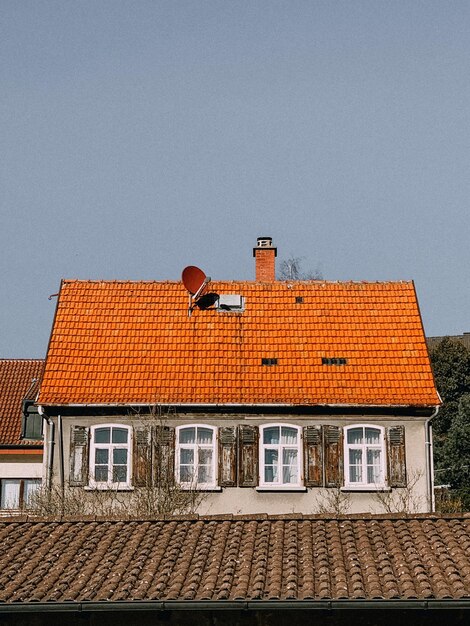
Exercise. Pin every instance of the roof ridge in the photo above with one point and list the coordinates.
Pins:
(404, 281)
(13, 360)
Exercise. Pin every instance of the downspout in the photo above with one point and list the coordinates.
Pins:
(49, 445)
(61, 455)
(430, 460)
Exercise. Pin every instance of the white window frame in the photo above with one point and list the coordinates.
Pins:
(364, 485)
(196, 448)
(109, 483)
(279, 485)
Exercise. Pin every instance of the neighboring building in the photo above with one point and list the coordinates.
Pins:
(233, 570)
(20, 432)
(464, 339)
(271, 396)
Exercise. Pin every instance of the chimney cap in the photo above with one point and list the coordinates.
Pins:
(264, 242)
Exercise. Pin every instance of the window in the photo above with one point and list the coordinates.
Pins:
(196, 457)
(32, 426)
(110, 448)
(364, 457)
(17, 493)
(280, 456)
(31, 423)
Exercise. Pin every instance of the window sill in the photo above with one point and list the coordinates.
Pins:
(108, 488)
(208, 488)
(366, 488)
(281, 488)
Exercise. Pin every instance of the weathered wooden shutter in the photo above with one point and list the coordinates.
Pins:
(142, 458)
(396, 456)
(313, 456)
(164, 455)
(79, 446)
(228, 456)
(333, 442)
(248, 456)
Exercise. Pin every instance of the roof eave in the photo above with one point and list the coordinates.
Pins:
(241, 604)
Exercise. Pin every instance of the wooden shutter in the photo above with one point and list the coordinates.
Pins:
(228, 456)
(333, 440)
(142, 458)
(313, 456)
(248, 456)
(396, 456)
(164, 455)
(79, 446)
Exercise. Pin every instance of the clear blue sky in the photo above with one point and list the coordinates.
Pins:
(138, 137)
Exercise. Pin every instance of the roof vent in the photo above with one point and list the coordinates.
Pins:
(333, 361)
(269, 362)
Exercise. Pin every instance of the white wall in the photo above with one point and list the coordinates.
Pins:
(249, 500)
(20, 466)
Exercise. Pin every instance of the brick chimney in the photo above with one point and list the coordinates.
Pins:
(265, 254)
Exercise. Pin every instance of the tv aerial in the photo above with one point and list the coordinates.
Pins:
(195, 282)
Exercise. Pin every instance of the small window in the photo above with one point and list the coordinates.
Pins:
(18, 493)
(333, 361)
(110, 451)
(32, 426)
(364, 457)
(299, 300)
(280, 456)
(196, 457)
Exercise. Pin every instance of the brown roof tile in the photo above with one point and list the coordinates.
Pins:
(308, 558)
(16, 381)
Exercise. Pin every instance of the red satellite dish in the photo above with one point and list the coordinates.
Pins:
(194, 279)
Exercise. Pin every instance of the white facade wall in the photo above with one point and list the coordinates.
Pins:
(251, 500)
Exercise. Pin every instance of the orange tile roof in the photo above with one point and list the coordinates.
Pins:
(16, 381)
(133, 342)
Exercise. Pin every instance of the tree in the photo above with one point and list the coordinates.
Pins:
(451, 427)
(451, 365)
(291, 269)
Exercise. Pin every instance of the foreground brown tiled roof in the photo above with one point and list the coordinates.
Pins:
(252, 558)
(332, 343)
(16, 381)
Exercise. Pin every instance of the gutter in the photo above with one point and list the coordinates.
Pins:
(245, 405)
(235, 605)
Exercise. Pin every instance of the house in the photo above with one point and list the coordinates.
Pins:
(232, 570)
(265, 396)
(20, 432)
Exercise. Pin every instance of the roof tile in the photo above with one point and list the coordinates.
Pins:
(18, 378)
(133, 342)
(239, 559)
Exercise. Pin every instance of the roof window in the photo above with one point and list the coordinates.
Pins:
(231, 302)
(299, 300)
(333, 361)
(269, 362)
